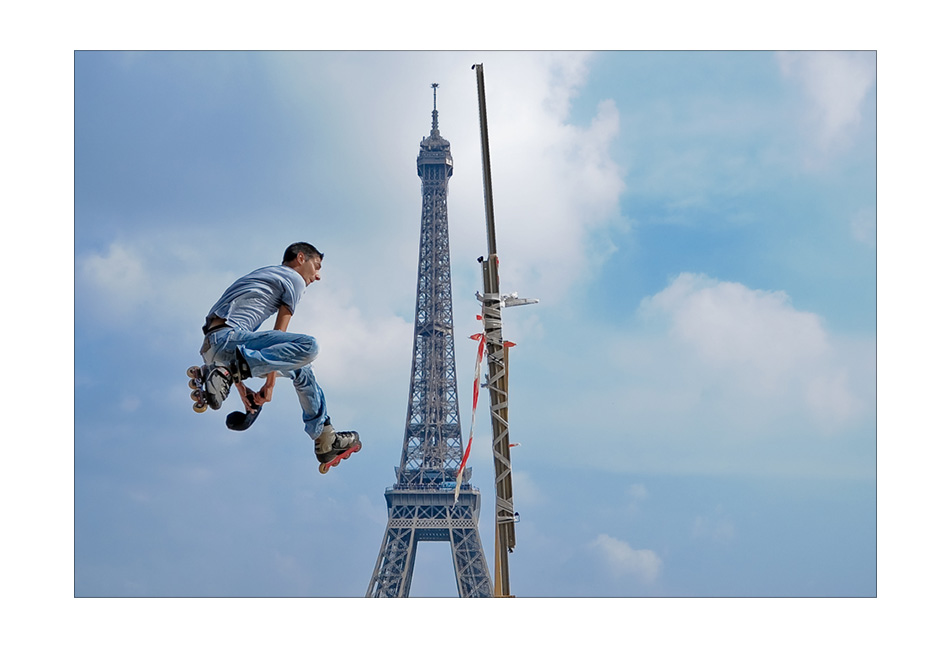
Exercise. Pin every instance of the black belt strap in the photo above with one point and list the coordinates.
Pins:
(208, 331)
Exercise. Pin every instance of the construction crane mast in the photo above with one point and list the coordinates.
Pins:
(497, 354)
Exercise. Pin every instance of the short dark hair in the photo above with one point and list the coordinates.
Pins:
(296, 248)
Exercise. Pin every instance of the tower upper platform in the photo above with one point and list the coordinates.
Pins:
(435, 148)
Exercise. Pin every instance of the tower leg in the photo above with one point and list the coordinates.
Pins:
(393, 574)
(472, 572)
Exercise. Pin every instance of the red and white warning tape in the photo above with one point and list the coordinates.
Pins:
(475, 402)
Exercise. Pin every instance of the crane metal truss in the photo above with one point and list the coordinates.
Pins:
(421, 504)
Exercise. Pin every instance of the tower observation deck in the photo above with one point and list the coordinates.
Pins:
(421, 504)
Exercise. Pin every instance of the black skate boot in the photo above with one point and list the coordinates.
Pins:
(218, 381)
(211, 384)
(332, 447)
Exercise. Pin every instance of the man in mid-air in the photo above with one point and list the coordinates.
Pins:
(234, 349)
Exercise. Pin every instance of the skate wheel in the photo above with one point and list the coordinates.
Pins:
(193, 384)
(199, 407)
(324, 469)
(196, 396)
(194, 372)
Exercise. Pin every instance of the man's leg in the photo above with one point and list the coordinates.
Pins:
(290, 354)
(312, 402)
(328, 443)
(267, 351)
(235, 355)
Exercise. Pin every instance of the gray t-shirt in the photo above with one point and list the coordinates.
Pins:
(256, 296)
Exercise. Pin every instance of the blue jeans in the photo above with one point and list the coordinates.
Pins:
(289, 354)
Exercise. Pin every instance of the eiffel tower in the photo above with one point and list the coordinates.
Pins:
(421, 504)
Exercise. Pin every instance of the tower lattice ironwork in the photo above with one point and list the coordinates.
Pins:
(421, 504)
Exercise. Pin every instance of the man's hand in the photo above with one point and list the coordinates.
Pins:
(247, 397)
(253, 400)
(264, 396)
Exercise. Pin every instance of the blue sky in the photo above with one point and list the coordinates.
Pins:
(639, 194)
(694, 396)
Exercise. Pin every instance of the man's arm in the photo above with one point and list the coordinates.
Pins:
(283, 318)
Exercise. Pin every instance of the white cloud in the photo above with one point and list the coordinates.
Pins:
(118, 279)
(555, 185)
(294, 576)
(864, 227)
(636, 495)
(836, 84)
(624, 560)
(525, 489)
(830, 395)
(756, 336)
(716, 377)
(714, 527)
(130, 404)
(154, 280)
(708, 362)
(755, 346)
(357, 350)
(637, 492)
(556, 189)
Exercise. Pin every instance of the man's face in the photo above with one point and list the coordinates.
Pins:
(309, 269)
